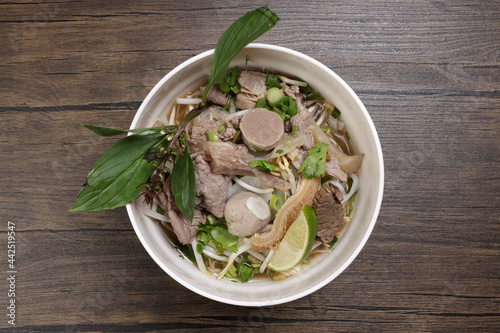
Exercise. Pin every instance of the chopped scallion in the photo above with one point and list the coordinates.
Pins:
(211, 136)
(287, 105)
(336, 113)
(261, 104)
(211, 219)
(274, 95)
(280, 113)
(232, 272)
(236, 136)
(332, 243)
(276, 202)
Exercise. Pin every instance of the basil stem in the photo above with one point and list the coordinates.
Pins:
(108, 131)
(246, 29)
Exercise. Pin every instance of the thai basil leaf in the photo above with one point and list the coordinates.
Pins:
(184, 184)
(116, 178)
(246, 29)
(108, 131)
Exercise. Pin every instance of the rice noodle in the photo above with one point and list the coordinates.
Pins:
(252, 188)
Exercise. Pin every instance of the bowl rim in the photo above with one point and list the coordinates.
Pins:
(371, 224)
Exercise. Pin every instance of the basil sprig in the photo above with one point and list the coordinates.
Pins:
(243, 31)
(118, 176)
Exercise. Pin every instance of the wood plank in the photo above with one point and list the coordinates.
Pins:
(428, 73)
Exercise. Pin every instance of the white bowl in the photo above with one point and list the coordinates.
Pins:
(324, 269)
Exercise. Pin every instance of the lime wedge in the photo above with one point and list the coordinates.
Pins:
(297, 242)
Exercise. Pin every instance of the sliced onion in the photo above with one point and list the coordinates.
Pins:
(258, 207)
(155, 215)
(293, 82)
(338, 185)
(333, 123)
(252, 188)
(163, 119)
(236, 114)
(213, 255)
(321, 118)
(341, 125)
(354, 188)
(313, 108)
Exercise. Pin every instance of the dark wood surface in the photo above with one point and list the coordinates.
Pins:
(428, 73)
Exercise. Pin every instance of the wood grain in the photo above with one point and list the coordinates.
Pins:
(428, 73)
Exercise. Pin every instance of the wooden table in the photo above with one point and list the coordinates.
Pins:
(428, 73)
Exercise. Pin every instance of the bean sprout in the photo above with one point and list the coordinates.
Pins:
(188, 101)
(198, 257)
(213, 255)
(233, 256)
(263, 267)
